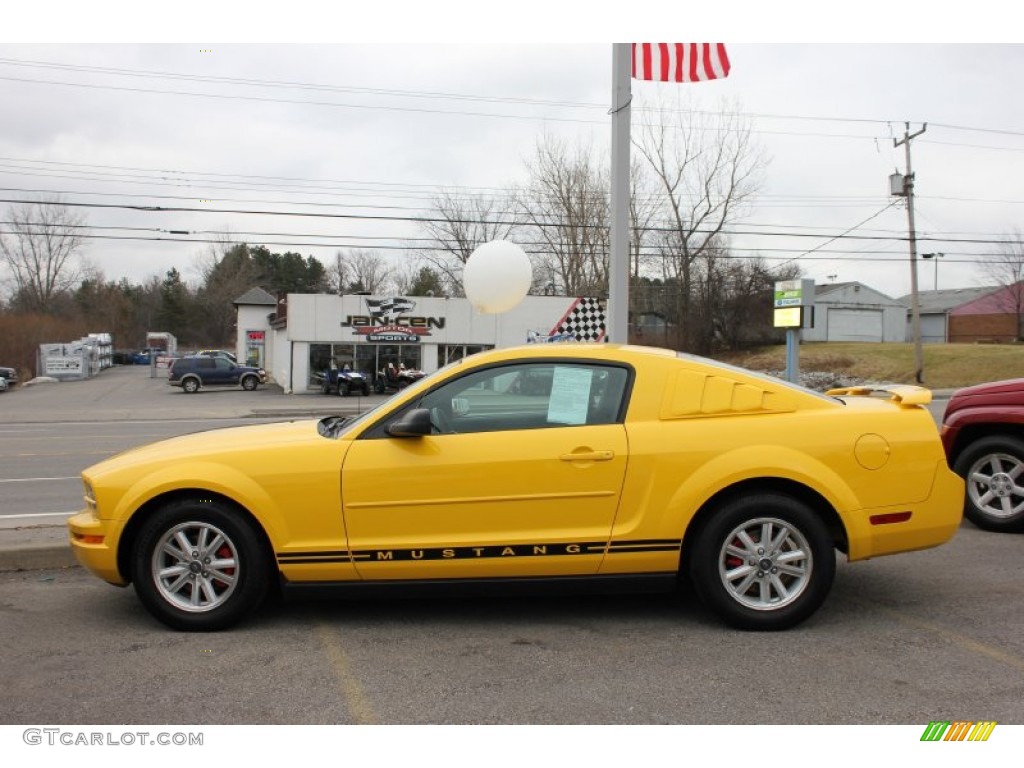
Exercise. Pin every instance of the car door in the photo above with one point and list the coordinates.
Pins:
(225, 372)
(516, 481)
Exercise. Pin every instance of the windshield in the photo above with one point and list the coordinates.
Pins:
(333, 427)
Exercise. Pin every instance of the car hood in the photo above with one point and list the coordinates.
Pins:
(214, 442)
(995, 394)
(1009, 386)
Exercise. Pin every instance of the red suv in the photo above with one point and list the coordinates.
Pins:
(983, 434)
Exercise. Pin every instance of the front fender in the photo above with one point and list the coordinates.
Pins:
(215, 477)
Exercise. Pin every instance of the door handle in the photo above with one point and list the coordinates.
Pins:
(588, 456)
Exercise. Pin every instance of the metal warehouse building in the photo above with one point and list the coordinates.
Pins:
(855, 312)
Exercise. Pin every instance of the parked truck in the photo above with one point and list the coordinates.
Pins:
(162, 343)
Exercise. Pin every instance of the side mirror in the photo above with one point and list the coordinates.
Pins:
(415, 423)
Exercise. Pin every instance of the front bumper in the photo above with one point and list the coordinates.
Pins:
(94, 542)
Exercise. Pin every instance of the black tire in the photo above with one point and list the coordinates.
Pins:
(166, 582)
(366, 389)
(993, 468)
(249, 383)
(190, 385)
(325, 388)
(763, 588)
(378, 387)
(342, 389)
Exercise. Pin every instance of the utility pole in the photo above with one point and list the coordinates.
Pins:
(617, 323)
(908, 192)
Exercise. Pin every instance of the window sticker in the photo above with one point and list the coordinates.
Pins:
(570, 396)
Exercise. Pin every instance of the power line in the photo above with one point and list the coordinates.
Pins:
(429, 219)
(404, 93)
(421, 110)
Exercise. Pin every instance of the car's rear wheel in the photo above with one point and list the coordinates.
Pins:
(993, 469)
(763, 561)
(198, 565)
(249, 383)
(190, 385)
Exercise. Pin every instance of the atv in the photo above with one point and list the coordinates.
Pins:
(391, 379)
(343, 382)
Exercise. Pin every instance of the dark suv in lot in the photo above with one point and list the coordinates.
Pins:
(194, 373)
(983, 434)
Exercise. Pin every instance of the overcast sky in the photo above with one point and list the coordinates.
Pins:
(376, 130)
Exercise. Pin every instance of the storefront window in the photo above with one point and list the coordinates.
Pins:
(319, 361)
(449, 353)
(365, 358)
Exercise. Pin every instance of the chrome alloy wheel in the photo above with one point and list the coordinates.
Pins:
(765, 563)
(195, 567)
(993, 485)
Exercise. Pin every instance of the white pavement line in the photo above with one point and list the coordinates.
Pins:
(38, 514)
(38, 479)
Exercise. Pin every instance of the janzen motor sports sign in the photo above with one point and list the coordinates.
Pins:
(391, 320)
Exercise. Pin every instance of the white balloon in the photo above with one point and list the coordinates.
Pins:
(497, 277)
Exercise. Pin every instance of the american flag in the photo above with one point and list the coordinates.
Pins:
(679, 62)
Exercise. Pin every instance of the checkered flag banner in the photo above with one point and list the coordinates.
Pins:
(390, 308)
(584, 321)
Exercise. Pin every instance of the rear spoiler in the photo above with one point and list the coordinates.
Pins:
(903, 394)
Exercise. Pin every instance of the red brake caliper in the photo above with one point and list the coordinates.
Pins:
(224, 552)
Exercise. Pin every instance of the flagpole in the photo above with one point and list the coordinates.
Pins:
(618, 260)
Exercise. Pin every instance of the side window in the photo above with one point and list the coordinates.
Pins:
(204, 363)
(529, 396)
(222, 363)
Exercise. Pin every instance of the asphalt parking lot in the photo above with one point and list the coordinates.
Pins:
(908, 639)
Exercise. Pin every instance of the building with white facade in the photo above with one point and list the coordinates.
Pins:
(855, 312)
(302, 334)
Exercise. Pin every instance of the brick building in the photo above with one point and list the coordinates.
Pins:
(997, 317)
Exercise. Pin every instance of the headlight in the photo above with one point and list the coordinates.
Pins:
(90, 497)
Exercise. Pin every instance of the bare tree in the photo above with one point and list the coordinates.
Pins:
(40, 244)
(338, 277)
(464, 224)
(565, 208)
(1006, 269)
(366, 270)
(706, 167)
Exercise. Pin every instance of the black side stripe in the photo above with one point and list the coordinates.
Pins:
(477, 553)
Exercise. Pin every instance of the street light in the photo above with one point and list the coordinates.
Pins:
(935, 256)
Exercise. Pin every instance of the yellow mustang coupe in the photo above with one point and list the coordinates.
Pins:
(552, 467)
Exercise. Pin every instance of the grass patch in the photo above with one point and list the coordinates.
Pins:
(946, 366)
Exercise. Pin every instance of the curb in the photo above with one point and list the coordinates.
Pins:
(37, 557)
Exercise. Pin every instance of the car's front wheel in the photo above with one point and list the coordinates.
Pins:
(763, 561)
(249, 383)
(198, 565)
(343, 389)
(992, 468)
